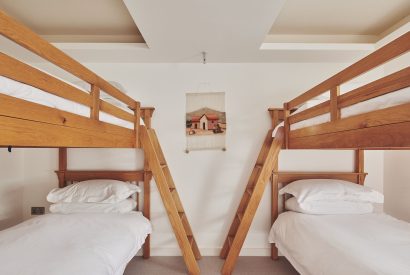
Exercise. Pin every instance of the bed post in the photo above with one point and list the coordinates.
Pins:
(359, 165)
(277, 116)
(137, 115)
(62, 166)
(286, 113)
(147, 209)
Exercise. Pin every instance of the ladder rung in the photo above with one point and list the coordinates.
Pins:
(239, 216)
(172, 189)
(190, 239)
(181, 215)
(163, 166)
(258, 165)
(249, 190)
(230, 240)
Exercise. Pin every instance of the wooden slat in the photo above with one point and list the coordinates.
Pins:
(115, 111)
(17, 108)
(23, 36)
(95, 102)
(73, 175)
(334, 108)
(390, 115)
(383, 137)
(18, 71)
(288, 177)
(25, 133)
(380, 56)
(314, 111)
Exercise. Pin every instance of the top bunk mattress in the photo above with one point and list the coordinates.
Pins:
(366, 244)
(23, 91)
(381, 102)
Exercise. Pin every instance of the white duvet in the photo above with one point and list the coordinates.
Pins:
(32, 94)
(89, 244)
(367, 244)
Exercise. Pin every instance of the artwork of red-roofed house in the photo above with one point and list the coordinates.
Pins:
(205, 121)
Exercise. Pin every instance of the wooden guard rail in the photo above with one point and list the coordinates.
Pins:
(29, 75)
(385, 85)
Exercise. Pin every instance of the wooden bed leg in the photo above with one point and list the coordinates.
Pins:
(62, 166)
(274, 252)
(359, 165)
(147, 212)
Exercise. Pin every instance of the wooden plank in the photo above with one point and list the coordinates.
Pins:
(18, 71)
(115, 111)
(95, 103)
(395, 114)
(25, 133)
(334, 108)
(285, 177)
(383, 137)
(395, 48)
(18, 108)
(137, 118)
(314, 111)
(274, 210)
(253, 204)
(130, 176)
(172, 212)
(26, 38)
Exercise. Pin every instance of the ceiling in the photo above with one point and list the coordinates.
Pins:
(228, 31)
(336, 17)
(76, 20)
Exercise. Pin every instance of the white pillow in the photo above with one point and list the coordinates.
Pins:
(102, 191)
(329, 207)
(330, 189)
(124, 206)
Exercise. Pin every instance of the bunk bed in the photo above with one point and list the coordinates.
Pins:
(40, 110)
(373, 116)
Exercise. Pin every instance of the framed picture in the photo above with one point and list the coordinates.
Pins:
(205, 121)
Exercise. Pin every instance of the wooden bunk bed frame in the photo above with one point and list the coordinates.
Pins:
(383, 129)
(27, 124)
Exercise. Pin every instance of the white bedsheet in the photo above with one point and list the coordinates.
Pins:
(89, 244)
(32, 94)
(343, 244)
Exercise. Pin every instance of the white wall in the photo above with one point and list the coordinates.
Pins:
(11, 189)
(210, 182)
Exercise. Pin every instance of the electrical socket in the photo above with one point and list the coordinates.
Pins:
(38, 210)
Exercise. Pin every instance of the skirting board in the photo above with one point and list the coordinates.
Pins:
(174, 251)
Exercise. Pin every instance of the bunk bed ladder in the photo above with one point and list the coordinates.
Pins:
(266, 162)
(170, 198)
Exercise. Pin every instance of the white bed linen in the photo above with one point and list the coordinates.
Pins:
(32, 94)
(87, 243)
(343, 244)
(381, 102)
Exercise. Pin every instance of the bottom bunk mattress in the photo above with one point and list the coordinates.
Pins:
(86, 243)
(366, 244)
